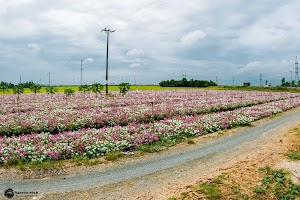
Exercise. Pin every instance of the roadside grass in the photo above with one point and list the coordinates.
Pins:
(273, 184)
(111, 156)
(211, 189)
(51, 164)
(158, 146)
(294, 154)
(190, 141)
(276, 184)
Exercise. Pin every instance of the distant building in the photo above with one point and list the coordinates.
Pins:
(246, 84)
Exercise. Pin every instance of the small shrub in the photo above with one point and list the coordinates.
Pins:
(190, 141)
(210, 190)
(295, 155)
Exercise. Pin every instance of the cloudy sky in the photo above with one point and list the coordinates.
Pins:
(231, 42)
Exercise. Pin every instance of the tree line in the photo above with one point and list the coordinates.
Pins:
(27, 84)
(288, 84)
(185, 83)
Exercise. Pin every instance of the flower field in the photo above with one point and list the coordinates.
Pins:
(54, 127)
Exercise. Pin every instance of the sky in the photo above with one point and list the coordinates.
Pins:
(229, 42)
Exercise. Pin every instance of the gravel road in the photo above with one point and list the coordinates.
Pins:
(150, 177)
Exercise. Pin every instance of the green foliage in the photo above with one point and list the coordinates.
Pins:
(276, 185)
(85, 161)
(69, 92)
(157, 146)
(28, 84)
(183, 195)
(284, 83)
(190, 141)
(18, 89)
(210, 190)
(110, 156)
(96, 88)
(124, 87)
(294, 155)
(3, 87)
(35, 88)
(84, 88)
(9, 85)
(185, 83)
(51, 89)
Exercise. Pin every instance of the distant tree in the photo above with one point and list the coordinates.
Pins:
(51, 90)
(283, 82)
(124, 87)
(28, 84)
(10, 85)
(96, 88)
(18, 90)
(69, 92)
(3, 87)
(35, 88)
(84, 88)
(185, 83)
(293, 83)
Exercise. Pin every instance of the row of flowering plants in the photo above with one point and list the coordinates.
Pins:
(40, 102)
(71, 118)
(92, 142)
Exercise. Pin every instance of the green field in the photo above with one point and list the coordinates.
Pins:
(157, 87)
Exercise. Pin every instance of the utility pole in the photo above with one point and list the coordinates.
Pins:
(107, 32)
(296, 73)
(291, 78)
(49, 74)
(135, 84)
(81, 73)
(217, 80)
(233, 80)
(20, 79)
(260, 79)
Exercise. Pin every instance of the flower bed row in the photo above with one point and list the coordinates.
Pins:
(65, 119)
(92, 143)
(41, 102)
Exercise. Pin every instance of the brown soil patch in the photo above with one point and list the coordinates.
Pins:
(244, 175)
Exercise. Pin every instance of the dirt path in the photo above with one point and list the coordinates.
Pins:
(159, 175)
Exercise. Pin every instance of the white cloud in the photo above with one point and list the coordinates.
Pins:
(224, 36)
(135, 53)
(90, 60)
(134, 65)
(193, 37)
(18, 28)
(63, 21)
(34, 46)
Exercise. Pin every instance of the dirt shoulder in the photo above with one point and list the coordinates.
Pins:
(245, 172)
